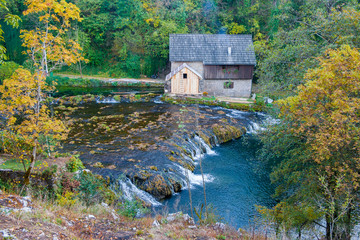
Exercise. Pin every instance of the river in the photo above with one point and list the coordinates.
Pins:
(128, 137)
(234, 186)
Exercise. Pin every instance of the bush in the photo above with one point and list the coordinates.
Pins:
(130, 208)
(94, 189)
(67, 200)
(74, 164)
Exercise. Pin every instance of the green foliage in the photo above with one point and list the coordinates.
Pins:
(9, 19)
(130, 208)
(314, 151)
(303, 30)
(208, 215)
(7, 69)
(74, 164)
(93, 189)
(14, 165)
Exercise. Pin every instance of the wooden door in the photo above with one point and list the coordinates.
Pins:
(188, 85)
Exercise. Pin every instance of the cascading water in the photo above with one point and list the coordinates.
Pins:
(141, 138)
(129, 191)
(194, 179)
(202, 143)
(106, 100)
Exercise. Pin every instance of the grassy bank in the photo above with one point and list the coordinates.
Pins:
(256, 106)
(81, 205)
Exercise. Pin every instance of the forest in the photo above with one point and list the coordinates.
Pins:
(130, 38)
(307, 59)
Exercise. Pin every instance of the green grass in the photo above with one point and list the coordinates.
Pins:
(15, 165)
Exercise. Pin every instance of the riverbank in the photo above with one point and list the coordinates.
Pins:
(30, 218)
(242, 104)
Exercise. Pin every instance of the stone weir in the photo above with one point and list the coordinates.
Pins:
(149, 148)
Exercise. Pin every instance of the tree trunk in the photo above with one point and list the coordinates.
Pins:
(328, 227)
(348, 226)
(32, 164)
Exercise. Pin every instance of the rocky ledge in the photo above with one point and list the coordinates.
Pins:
(151, 144)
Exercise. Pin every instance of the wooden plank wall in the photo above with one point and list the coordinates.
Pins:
(179, 85)
(228, 72)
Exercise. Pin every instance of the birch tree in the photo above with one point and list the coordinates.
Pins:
(48, 46)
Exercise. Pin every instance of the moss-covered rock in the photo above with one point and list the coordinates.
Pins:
(225, 132)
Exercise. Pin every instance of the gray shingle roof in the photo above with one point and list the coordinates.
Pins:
(212, 49)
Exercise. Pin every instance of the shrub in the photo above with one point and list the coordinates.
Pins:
(67, 200)
(74, 164)
(94, 189)
(130, 208)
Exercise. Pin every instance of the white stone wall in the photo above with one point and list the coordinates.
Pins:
(242, 88)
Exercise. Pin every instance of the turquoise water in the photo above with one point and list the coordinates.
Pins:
(237, 183)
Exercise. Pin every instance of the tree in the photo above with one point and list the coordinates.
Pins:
(48, 45)
(29, 127)
(23, 94)
(316, 150)
(305, 30)
(10, 19)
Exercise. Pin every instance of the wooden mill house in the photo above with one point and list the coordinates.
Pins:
(219, 64)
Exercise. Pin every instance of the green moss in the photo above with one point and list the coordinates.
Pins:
(117, 98)
(226, 133)
(212, 101)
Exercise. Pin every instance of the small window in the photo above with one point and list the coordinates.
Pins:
(228, 84)
(184, 75)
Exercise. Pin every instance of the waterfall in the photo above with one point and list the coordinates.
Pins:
(195, 179)
(129, 191)
(254, 127)
(201, 142)
(198, 147)
(196, 151)
(158, 99)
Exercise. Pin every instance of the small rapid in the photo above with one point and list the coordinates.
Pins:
(130, 191)
(142, 141)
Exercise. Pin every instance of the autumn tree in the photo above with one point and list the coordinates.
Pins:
(48, 46)
(29, 128)
(316, 148)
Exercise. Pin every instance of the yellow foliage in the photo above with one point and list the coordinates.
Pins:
(68, 200)
(235, 28)
(325, 114)
(20, 97)
(47, 44)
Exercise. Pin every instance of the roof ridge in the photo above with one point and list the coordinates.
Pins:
(178, 69)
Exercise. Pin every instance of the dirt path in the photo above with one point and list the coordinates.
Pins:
(131, 80)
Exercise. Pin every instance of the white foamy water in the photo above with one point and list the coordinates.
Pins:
(194, 179)
(237, 114)
(254, 127)
(107, 100)
(201, 142)
(129, 190)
